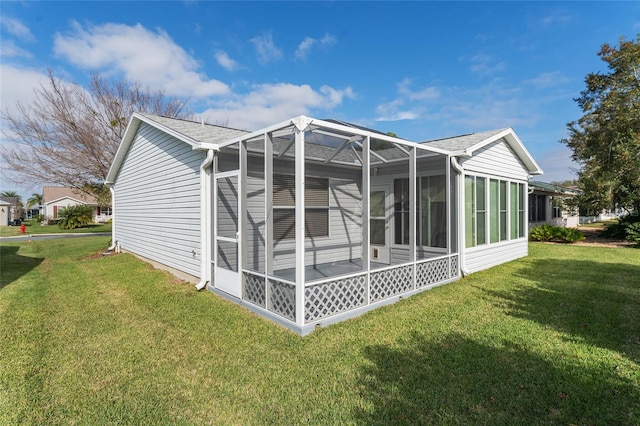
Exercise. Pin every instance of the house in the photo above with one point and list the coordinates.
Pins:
(56, 198)
(11, 211)
(546, 205)
(309, 222)
(5, 209)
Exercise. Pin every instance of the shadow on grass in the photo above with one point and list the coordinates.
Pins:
(13, 265)
(456, 380)
(592, 302)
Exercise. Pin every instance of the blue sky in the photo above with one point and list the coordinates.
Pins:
(423, 70)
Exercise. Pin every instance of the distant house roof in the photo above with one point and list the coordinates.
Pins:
(10, 200)
(4, 203)
(550, 187)
(51, 194)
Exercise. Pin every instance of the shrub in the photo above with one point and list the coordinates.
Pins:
(633, 233)
(555, 233)
(627, 227)
(73, 217)
(569, 235)
(541, 233)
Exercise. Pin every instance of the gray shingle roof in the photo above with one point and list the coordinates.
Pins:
(460, 143)
(206, 133)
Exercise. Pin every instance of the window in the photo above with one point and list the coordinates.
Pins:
(492, 218)
(517, 210)
(556, 210)
(316, 200)
(104, 211)
(537, 210)
(475, 211)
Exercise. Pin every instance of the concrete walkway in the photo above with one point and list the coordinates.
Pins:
(36, 237)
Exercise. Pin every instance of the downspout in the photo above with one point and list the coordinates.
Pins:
(205, 219)
(460, 170)
(114, 242)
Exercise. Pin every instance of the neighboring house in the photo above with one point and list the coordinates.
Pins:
(308, 222)
(56, 198)
(5, 212)
(546, 205)
(12, 210)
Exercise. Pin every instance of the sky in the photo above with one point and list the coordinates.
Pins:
(423, 70)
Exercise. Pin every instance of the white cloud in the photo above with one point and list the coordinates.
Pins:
(225, 61)
(486, 64)
(10, 50)
(151, 58)
(16, 28)
(304, 48)
(266, 49)
(548, 79)
(410, 104)
(17, 85)
(393, 111)
(266, 104)
(404, 88)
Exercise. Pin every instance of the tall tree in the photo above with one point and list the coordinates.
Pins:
(35, 199)
(69, 135)
(606, 139)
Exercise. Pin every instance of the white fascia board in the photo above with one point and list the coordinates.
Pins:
(69, 198)
(127, 140)
(204, 146)
(515, 143)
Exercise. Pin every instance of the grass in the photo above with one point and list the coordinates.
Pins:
(550, 339)
(34, 228)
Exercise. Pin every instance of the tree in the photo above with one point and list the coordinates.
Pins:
(69, 135)
(12, 194)
(606, 139)
(73, 217)
(35, 199)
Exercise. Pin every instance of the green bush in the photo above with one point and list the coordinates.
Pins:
(627, 227)
(633, 233)
(73, 217)
(555, 233)
(541, 233)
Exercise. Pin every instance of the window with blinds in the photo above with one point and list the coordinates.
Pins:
(316, 198)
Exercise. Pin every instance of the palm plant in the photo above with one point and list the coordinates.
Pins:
(35, 199)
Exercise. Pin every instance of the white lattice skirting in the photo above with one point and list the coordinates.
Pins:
(341, 295)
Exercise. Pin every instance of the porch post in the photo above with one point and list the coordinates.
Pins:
(413, 212)
(366, 194)
(299, 228)
(268, 205)
(242, 217)
(448, 201)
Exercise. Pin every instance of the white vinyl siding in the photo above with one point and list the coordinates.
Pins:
(497, 159)
(157, 202)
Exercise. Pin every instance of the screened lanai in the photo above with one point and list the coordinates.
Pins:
(315, 220)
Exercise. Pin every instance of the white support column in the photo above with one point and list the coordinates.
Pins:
(268, 203)
(242, 216)
(299, 228)
(366, 195)
(447, 167)
(412, 205)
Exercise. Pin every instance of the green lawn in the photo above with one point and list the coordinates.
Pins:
(33, 227)
(550, 339)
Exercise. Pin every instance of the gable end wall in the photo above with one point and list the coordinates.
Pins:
(497, 159)
(157, 200)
